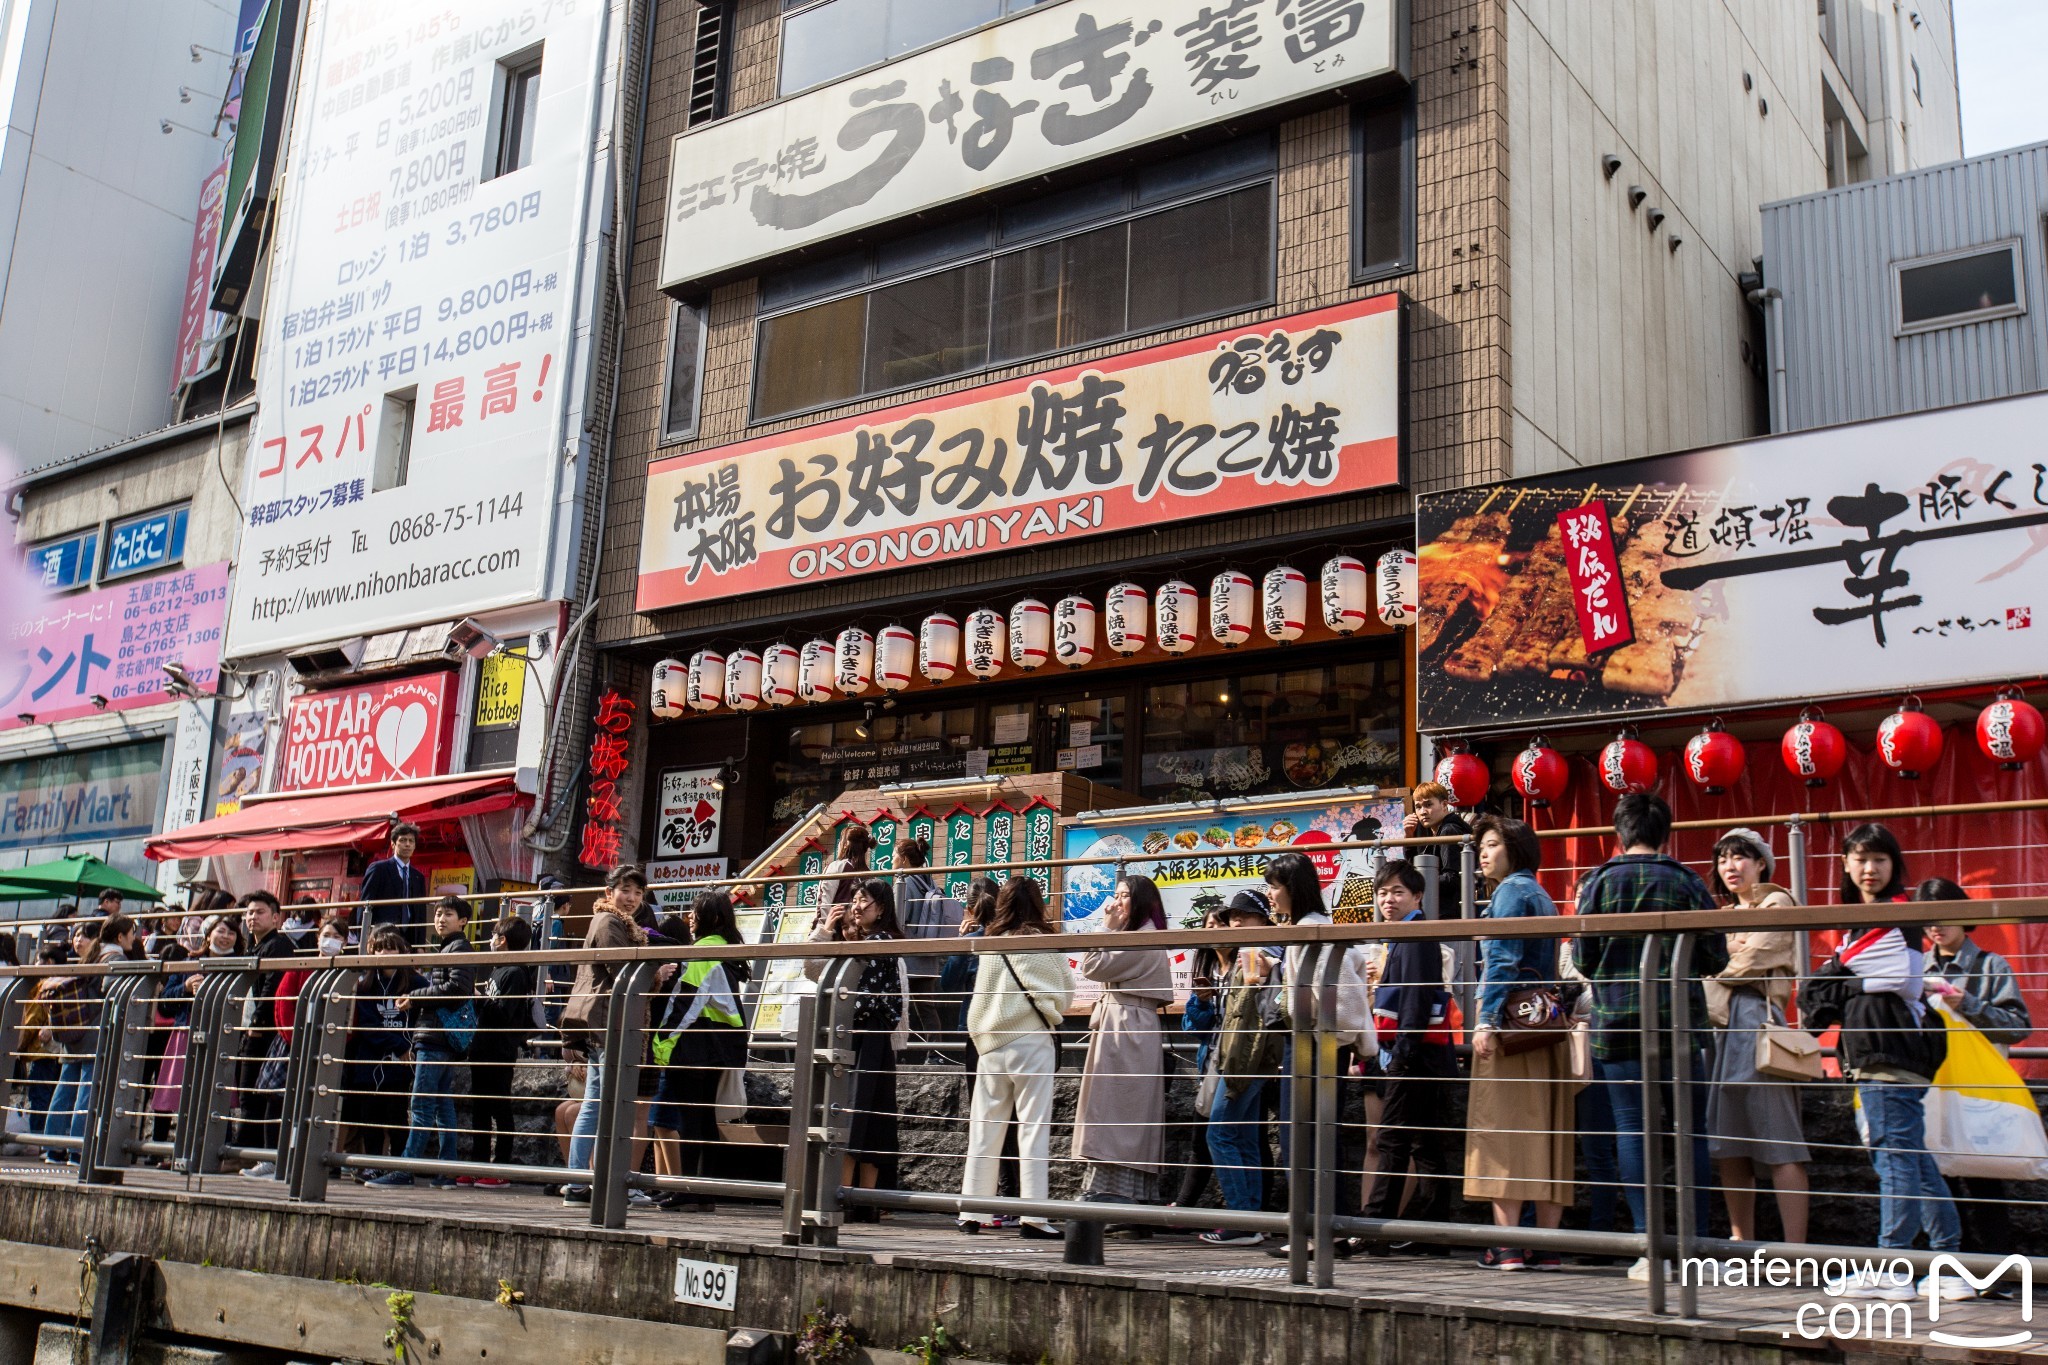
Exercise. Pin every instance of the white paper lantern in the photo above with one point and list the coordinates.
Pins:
(895, 656)
(1126, 618)
(986, 639)
(671, 682)
(1283, 604)
(1073, 631)
(1030, 634)
(743, 680)
(706, 686)
(779, 665)
(1230, 608)
(1174, 610)
(1347, 592)
(1398, 592)
(938, 647)
(814, 672)
(853, 669)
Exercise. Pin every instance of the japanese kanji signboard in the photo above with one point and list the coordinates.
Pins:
(1304, 406)
(112, 644)
(603, 818)
(1058, 85)
(419, 366)
(379, 732)
(692, 812)
(1885, 556)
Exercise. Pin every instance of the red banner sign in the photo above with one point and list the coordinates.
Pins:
(1595, 571)
(378, 732)
(603, 821)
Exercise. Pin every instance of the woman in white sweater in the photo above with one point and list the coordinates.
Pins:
(1014, 1020)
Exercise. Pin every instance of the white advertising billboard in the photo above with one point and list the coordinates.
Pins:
(421, 329)
(1056, 86)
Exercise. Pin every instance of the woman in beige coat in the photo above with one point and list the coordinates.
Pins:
(1119, 1123)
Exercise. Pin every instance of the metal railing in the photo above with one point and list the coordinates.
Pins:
(227, 1049)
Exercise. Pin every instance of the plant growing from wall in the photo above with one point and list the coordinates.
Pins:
(935, 1345)
(826, 1338)
(399, 1304)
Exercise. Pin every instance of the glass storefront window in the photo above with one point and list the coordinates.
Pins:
(820, 761)
(1258, 733)
(1086, 736)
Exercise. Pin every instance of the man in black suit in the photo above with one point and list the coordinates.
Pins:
(395, 878)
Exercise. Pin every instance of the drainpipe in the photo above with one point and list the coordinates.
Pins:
(1772, 300)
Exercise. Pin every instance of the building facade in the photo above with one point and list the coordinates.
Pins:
(850, 320)
(1909, 293)
(116, 698)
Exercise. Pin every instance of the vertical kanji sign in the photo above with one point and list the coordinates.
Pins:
(1595, 572)
(602, 821)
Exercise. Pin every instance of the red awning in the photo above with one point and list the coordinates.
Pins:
(333, 819)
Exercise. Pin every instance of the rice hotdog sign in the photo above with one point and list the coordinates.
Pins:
(1885, 556)
(1303, 406)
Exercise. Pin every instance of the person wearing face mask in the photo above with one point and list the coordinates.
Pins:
(1752, 1119)
(375, 1079)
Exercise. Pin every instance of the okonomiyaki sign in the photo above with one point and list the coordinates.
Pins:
(1304, 406)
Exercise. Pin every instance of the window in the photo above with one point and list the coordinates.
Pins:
(394, 441)
(822, 42)
(61, 565)
(1298, 729)
(683, 383)
(1178, 242)
(1916, 82)
(1383, 189)
(1958, 287)
(154, 540)
(517, 113)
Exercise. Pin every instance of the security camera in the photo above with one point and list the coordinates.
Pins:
(467, 637)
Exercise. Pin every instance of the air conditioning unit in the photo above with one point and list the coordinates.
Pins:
(326, 659)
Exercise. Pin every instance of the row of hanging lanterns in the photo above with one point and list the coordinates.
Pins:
(2010, 732)
(1033, 634)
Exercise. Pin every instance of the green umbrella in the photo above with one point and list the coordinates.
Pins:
(80, 875)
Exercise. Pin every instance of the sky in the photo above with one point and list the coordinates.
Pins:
(1999, 47)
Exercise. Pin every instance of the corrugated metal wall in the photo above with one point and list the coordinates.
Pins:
(1832, 254)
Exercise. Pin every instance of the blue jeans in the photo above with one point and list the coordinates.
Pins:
(583, 1135)
(432, 1116)
(40, 1085)
(1236, 1147)
(73, 1099)
(1623, 1082)
(1596, 1147)
(1911, 1193)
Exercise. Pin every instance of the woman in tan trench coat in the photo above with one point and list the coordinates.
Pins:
(1119, 1124)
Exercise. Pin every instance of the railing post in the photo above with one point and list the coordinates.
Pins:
(322, 1079)
(1328, 1100)
(611, 1159)
(113, 1064)
(1648, 979)
(200, 1134)
(1431, 867)
(1468, 879)
(1682, 1117)
(294, 1121)
(796, 1153)
(1302, 1069)
(834, 1089)
(1802, 893)
(14, 992)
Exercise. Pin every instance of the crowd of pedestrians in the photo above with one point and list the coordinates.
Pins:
(1548, 1104)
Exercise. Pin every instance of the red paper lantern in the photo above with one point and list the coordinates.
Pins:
(1909, 741)
(1541, 774)
(1714, 759)
(1814, 750)
(1627, 765)
(1465, 777)
(2010, 732)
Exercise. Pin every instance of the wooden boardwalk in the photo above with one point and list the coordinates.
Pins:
(1590, 1302)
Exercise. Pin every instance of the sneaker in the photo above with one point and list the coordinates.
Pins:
(262, 1170)
(1950, 1288)
(1040, 1232)
(1233, 1237)
(1543, 1260)
(465, 1180)
(575, 1194)
(1872, 1284)
(1501, 1258)
(363, 1175)
(640, 1199)
(392, 1179)
(442, 1182)
(1640, 1271)
(492, 1182)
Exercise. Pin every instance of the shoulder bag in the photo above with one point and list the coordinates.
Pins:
(1533, 1019)
(1786, 1053)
